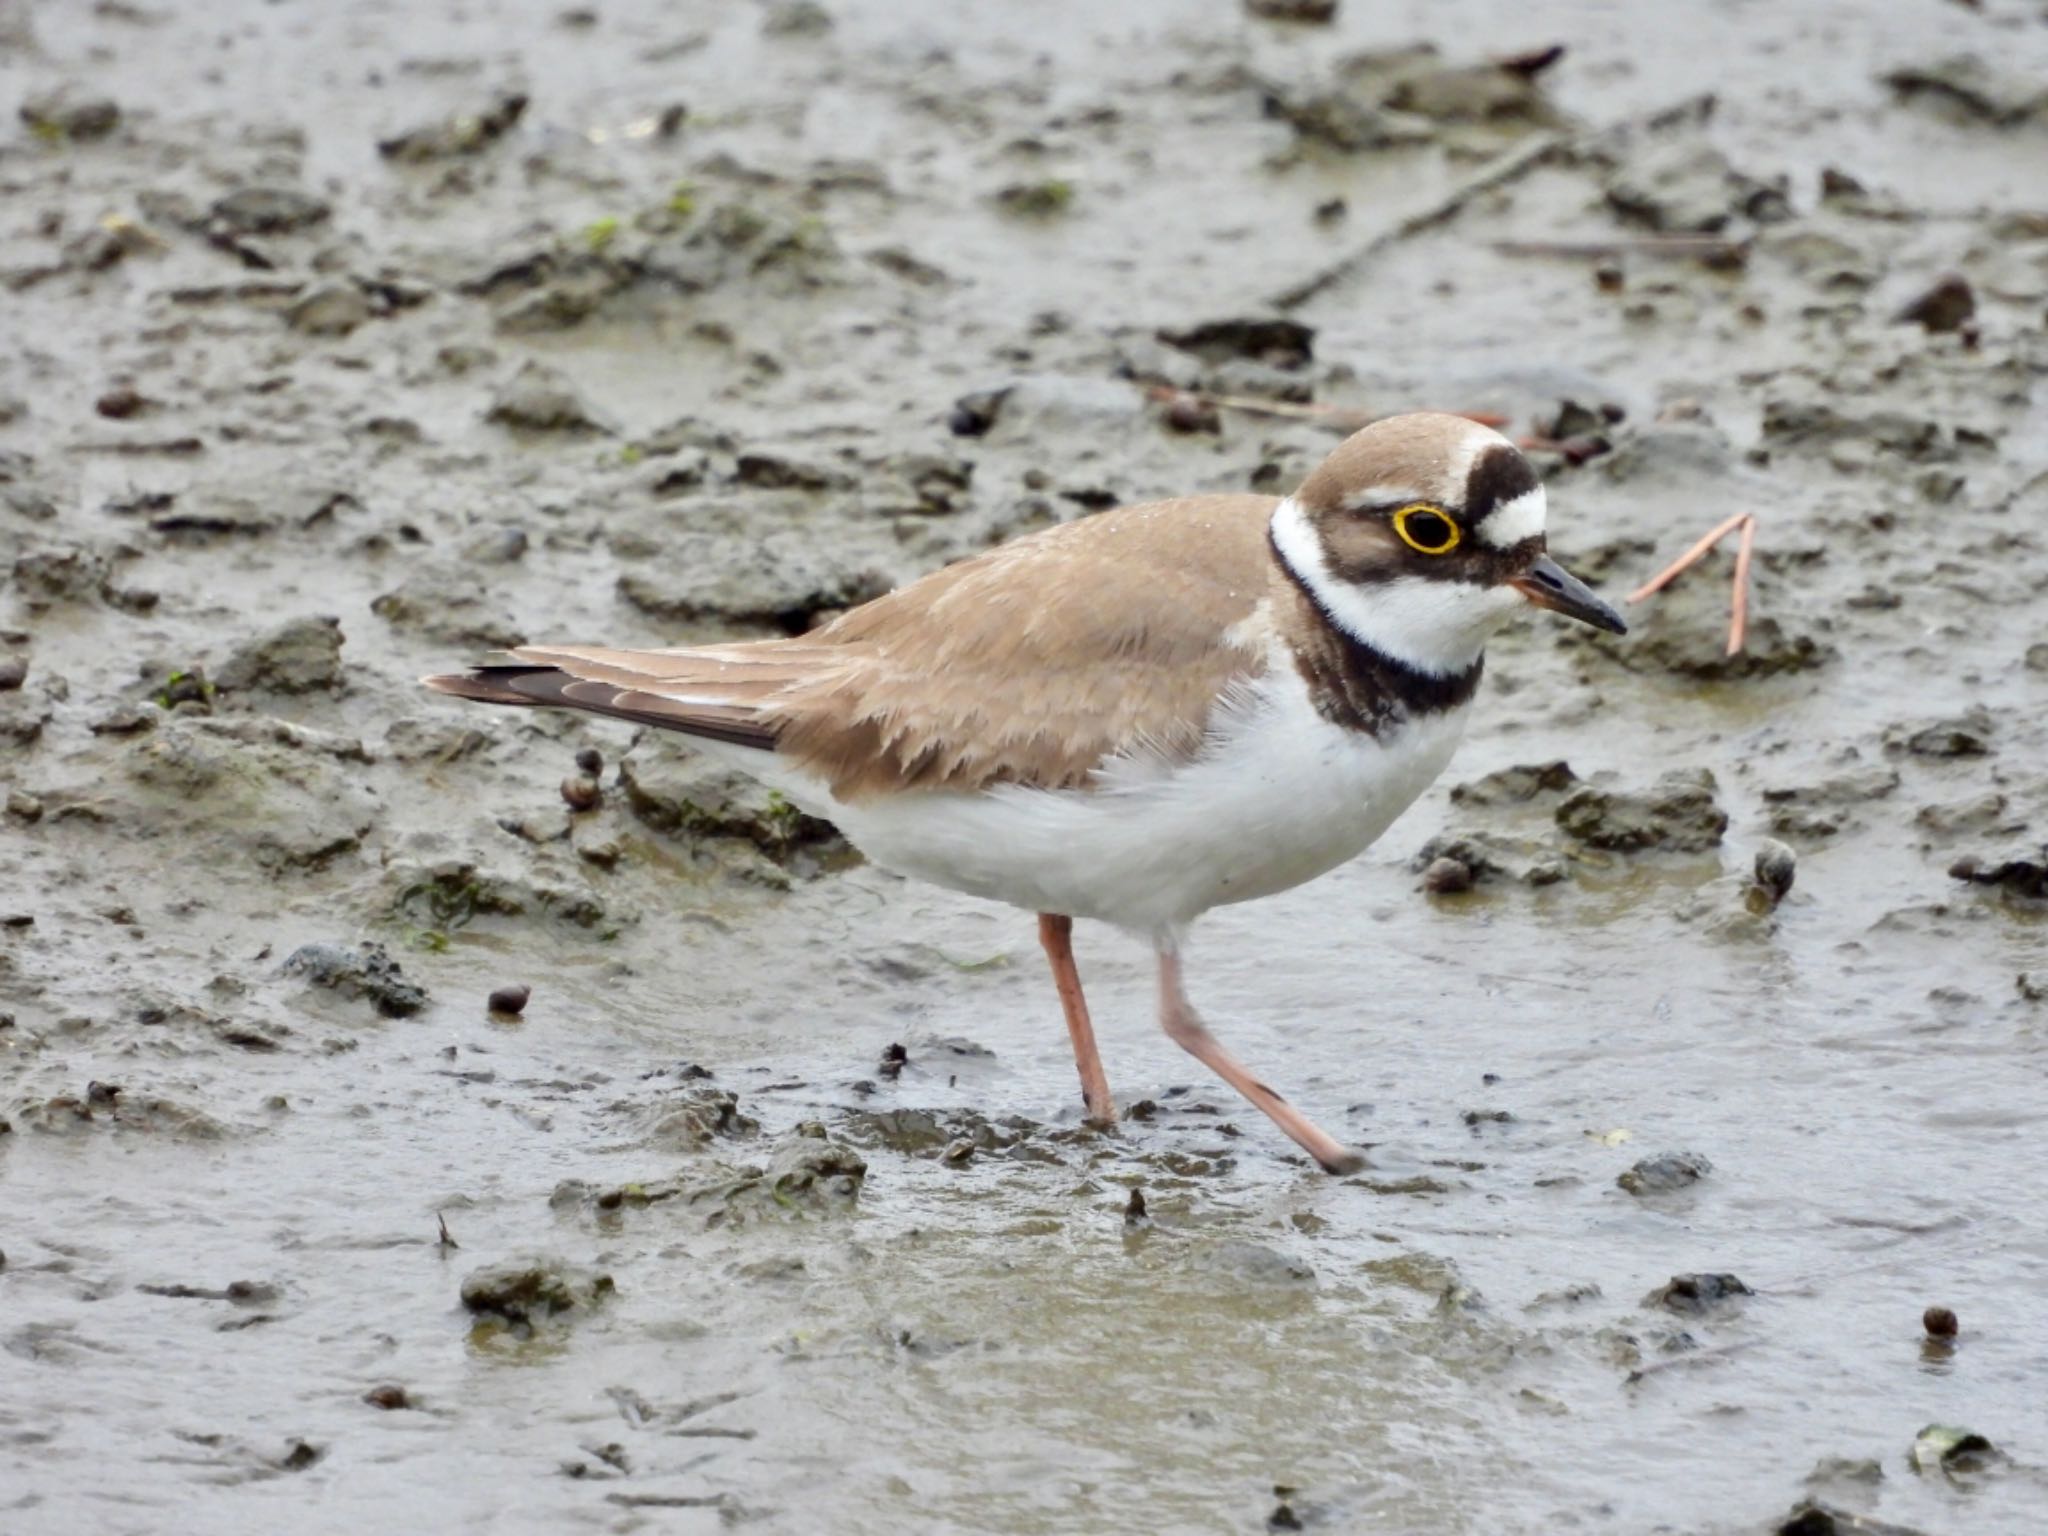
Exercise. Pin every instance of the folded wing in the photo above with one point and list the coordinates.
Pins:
(1028, 664)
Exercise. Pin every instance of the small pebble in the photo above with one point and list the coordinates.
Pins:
(388, 1397)
(590, 762)
(581, 794)
(119, 403)
(511, 999)
(1776, 866)
(1447, 877)
(1301, 12)
(1939, 1322)
(1186, 413)
(1944, 307)
(13, 673)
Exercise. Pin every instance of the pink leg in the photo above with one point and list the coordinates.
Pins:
(1185, 1028)
(1056, 933)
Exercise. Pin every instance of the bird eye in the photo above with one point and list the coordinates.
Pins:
(1426, 530)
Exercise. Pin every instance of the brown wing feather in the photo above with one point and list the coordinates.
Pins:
(1028, 664)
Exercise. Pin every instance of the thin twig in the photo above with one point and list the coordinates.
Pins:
(1688, 1360)
(1686, 561)
(1350, 417)
(1496, 173)
(1738, 615)
(1738, 619)
(1709, 248)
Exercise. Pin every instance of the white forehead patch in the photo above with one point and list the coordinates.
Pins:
(1513, 521)
(1381, 496)
(1434, 626)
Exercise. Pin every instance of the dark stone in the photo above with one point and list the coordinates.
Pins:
(1664, 1172)
(1813, 1518)
(1696, 1294)
(1447, 877)
(510, 999)
(1302, 13)
(1776, 867)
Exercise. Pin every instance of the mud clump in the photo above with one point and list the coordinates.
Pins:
(1972, 90)
(2023, 875)
(540, 399)
(453, 893)
(699, 1116)
(1517, 785)
(1685, 186)
(1678, 814)
(781, 581)
(65, 115)
(1490, 856)
(955, 1136)
(519, 1296)
(808, 1175)
(1965, 735)
(299, 656)
(367, 973)
(109, 1106)
(1696, 1295)
(1253, 1266)
(467, 133)
(1808, 812)
(269, 211)
(686, 794)
(456, 610)
(1400, 97)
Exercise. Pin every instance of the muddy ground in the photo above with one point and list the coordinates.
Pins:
(345, 342)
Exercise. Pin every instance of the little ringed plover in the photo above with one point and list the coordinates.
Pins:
(1137, 716)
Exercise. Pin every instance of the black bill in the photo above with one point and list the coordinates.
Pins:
(1549, 585)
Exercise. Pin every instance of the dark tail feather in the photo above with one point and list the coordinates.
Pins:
(536, 687)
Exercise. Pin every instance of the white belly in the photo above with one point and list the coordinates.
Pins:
(1278, 797)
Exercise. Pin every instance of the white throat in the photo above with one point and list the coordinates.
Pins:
(1438, 627)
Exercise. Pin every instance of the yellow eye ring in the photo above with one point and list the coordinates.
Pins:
(1435, 534)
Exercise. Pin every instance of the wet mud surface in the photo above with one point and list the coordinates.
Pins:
(460, 1120)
